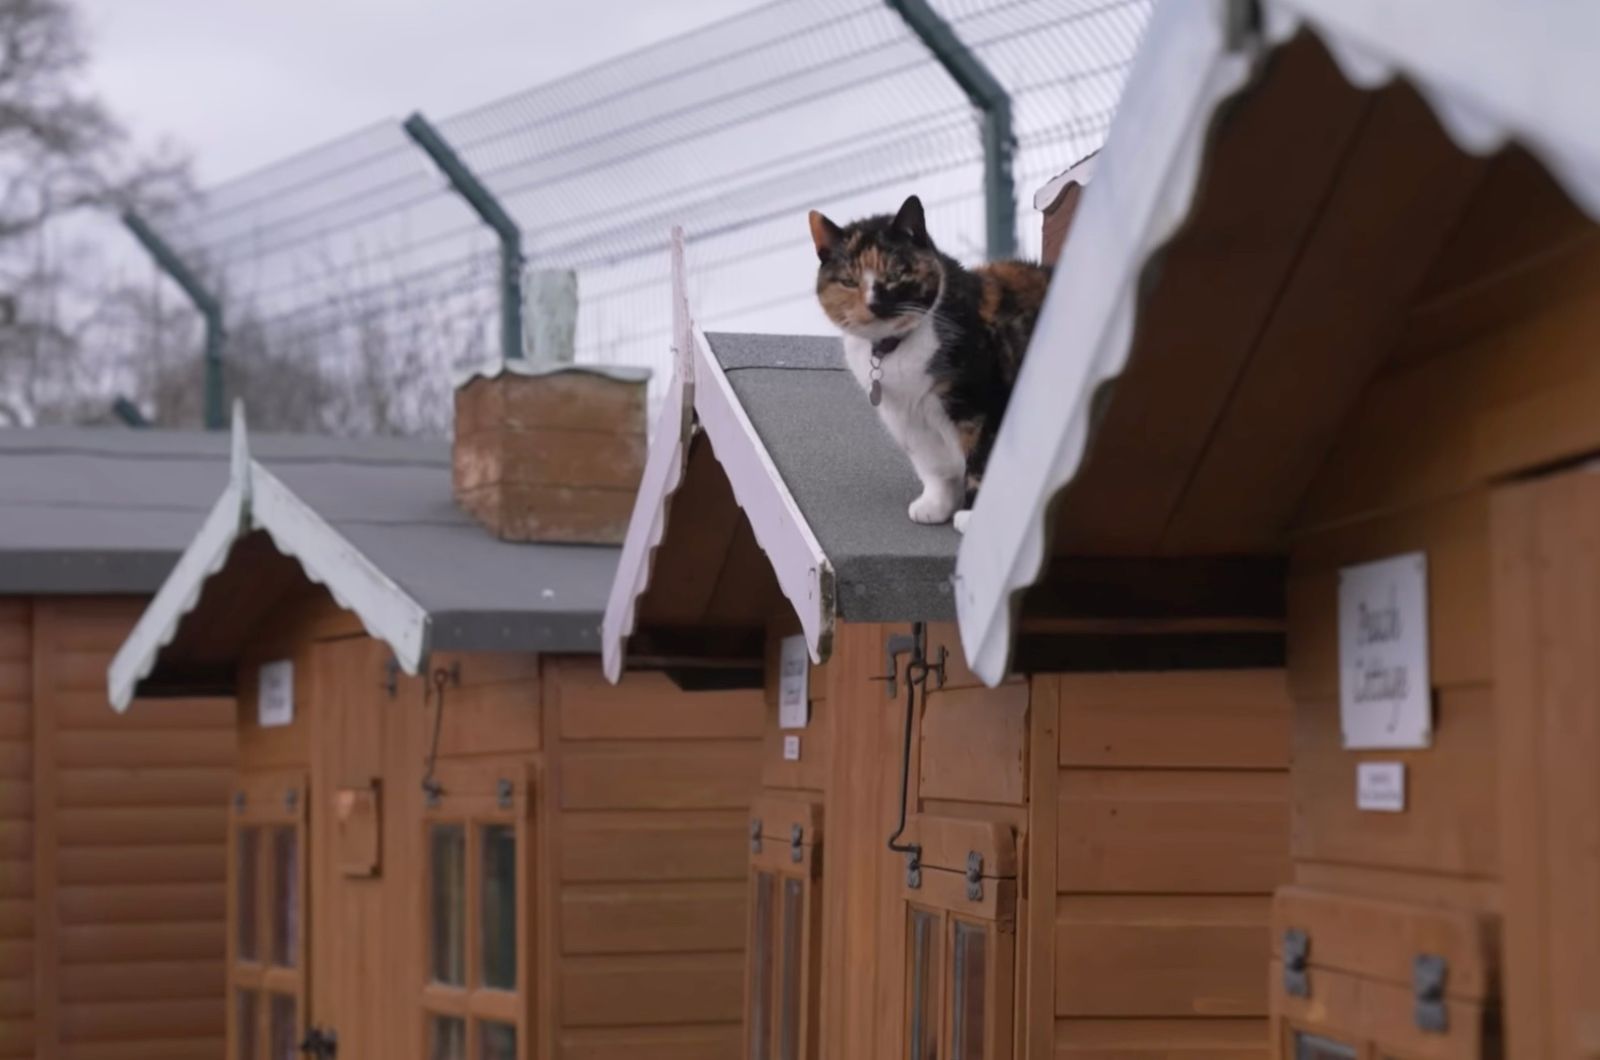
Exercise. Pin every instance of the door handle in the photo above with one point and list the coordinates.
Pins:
(321, 1044)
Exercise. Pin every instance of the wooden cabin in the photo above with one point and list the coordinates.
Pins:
(1333, 338)
(448, 835)
(111, 830)
(1077, 862)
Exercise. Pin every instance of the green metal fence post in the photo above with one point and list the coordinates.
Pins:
(488, 208)
(990, 97)
(210, 309)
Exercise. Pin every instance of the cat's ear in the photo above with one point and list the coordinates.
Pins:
(825, 234)
(911, 222)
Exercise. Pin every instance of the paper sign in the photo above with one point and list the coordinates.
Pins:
(794, 669)
(1381, 786)
(275, 694)
(1385, 692)
(791, 748)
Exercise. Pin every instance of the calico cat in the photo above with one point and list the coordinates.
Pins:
(936, 346)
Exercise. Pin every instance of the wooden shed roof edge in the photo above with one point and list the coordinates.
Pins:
(700, 398)
(255, 499)
(1492, 73)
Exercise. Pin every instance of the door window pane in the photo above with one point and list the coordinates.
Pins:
(761, 968)
(447, 845)
(497, 1041)
(969, 983)
(447, 1038)
(499, 902)
(924, 985)
(285, 1029)
(285, 897)
(247, 852)
(1316, 1047)
(789, 982)
(244, 1024)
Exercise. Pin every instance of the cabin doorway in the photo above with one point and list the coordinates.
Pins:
(1545, 541)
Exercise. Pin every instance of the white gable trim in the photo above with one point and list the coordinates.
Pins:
(1492, 71)
(256, 499)
(664, 468)
(700, 398)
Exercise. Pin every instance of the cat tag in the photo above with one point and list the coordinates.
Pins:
(875, 393)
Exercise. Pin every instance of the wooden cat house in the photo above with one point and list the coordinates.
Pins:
(1078, 860)
(1328, 329)
(111, 832)
(448, 836)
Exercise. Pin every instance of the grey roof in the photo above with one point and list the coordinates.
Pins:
(850, 480)
(480, 593)
(109, 510)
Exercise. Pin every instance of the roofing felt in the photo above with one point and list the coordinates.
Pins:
(97, 510)
(109, 509)
(849, 479)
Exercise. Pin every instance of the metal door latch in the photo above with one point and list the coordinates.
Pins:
(1428, 975)
(974, 876)
(1296, 958)
(321, 1044)
(755, 835)
(797, 850)
(913, 644)
(914, 868)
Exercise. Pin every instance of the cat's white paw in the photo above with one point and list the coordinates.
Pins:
(960, 520)
(932, 508)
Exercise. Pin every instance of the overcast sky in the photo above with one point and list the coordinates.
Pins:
(241, 83)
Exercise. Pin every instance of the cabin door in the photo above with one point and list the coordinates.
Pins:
(1545, 547)
(357, 921)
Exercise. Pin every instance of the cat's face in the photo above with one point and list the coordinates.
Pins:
(879, 276)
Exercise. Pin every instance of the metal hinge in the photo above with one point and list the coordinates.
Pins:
(797, 850)
(974, 876)
(1296, 958)
(914, 868)
(1428, 975)
(755, 835)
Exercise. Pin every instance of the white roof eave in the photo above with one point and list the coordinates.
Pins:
(702, 399)
(256, 499)
(1493, 73)
(664, 468)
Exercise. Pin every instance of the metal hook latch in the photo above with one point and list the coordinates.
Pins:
(755, 835)
(797, 850)
(1296, 959)
(1428, 975)
(914, 868)
(974, 876)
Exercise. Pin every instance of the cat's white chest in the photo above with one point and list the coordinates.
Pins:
(915, 416)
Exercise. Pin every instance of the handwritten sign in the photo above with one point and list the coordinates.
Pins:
(275, 694)
(1385, 691)
(794, 670)
(1381, 786)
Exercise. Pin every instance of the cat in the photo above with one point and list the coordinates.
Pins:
(936, 346)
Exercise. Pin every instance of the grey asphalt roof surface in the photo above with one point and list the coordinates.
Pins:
(109, 510)
(851, 481)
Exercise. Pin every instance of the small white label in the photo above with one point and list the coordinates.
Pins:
(1381, 786)
(275, 694)
(1385, 691)
(794, 669)
(791, 748)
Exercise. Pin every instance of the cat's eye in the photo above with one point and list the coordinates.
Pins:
(849, 282)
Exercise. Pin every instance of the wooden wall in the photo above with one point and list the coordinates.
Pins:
(650, 788)
(16, 829)
(1170, 835)
(111, 847)
(1494, 374)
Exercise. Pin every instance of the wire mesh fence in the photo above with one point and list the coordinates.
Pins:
(356, 259)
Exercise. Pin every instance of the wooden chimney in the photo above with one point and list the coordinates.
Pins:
(546, 450)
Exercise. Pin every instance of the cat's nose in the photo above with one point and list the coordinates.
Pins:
(882, 308)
